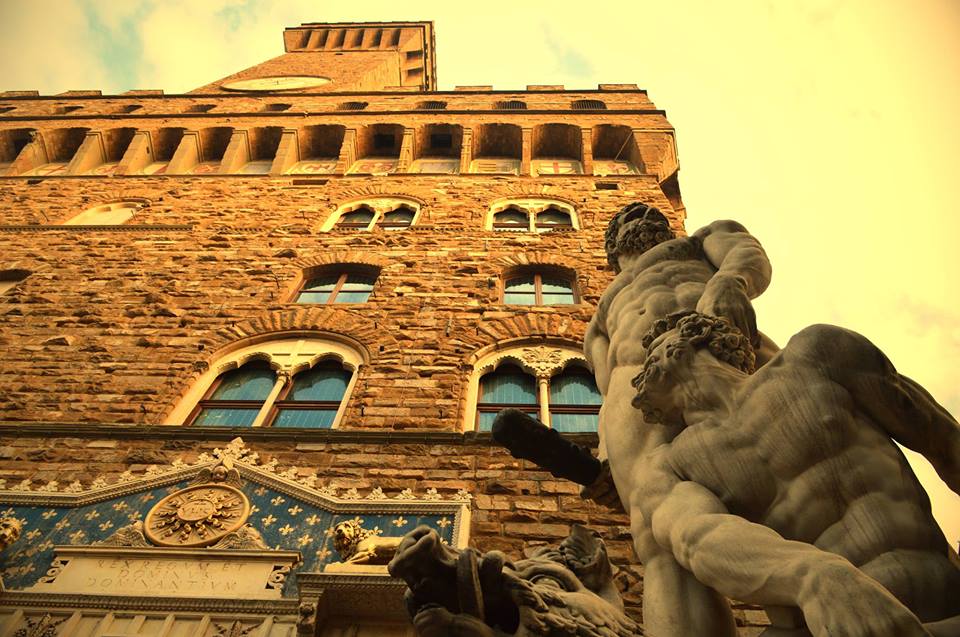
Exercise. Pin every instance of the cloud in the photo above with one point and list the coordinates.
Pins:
(48, 55)
(566, 58)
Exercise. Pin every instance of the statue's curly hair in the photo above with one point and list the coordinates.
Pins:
(611, 235)
(718, 335)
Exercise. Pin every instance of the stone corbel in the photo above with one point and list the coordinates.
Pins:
(137, 156)
(91, 154)
(466, 150)
(526, 151)
(587, 150)
(406, 151)
(32, 155)
(348, 151)
(187, 155)
(288, 152)
(237, 153)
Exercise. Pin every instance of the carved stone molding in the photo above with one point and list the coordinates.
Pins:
(200, 515)
(545, 361)
(48, 601)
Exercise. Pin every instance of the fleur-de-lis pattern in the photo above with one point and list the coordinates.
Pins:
(284, 521)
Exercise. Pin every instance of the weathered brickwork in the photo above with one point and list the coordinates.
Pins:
(123, 319)
(108, 327)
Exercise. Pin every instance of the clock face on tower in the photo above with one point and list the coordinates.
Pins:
(276, 83)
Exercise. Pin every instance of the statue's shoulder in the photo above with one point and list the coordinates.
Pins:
(678, 249)
(726, 226)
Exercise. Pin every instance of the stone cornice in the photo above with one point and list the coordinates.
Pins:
(104, 228)
(12, 599)
(48, 429)
(161, 96)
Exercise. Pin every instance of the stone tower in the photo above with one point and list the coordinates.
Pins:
(235, 318)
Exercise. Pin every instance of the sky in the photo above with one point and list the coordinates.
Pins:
(831, 129)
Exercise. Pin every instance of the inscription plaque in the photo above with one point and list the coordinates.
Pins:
(168, 572)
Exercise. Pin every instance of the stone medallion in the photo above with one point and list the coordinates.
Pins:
(197, 516)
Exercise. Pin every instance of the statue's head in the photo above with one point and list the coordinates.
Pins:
(566, 590)
(346, 536)
(634, 230)
(9, 531)
(670, 344)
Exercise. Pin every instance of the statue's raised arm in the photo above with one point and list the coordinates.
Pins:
(743, 273)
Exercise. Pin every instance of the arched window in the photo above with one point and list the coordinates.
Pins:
(387, 213)
(431, 105)
(588, 105)
(295, 380)
(551, 219)
(507, 386)
(397, 219)
(531, 215)
(351, 106)
(550, 383)
(111, 214)
(359, 219)
(538, 288)
(574, 400)
(350, 285)
(236, 397)
(510, 105)
(313, 398)
(511, 220)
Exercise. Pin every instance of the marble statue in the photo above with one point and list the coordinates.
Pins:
(564, 591)
(717, 270)
(783, 486)
(767, 476)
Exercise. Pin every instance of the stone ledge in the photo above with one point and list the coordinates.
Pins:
(107, 228)
(299, 115)
(46, 429)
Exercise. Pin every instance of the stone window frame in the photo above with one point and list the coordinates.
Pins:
(538, 272)
(343, 270)
(588, 105)
(88, 216)
(541, 360)
(533, 206)
(380, 206)
(283, 353)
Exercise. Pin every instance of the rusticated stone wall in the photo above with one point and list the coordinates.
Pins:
(123, 318)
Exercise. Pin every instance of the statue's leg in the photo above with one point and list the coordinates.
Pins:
(675, 604)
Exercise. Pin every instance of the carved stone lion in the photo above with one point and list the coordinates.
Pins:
(9, 531)
(357, 545)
